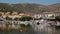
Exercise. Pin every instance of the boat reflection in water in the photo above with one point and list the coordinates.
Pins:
(43, 27)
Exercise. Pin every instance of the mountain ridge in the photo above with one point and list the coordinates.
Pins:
(31, 8)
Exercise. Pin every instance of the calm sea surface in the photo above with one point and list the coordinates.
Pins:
(29, 32)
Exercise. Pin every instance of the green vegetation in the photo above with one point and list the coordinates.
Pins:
(29, 8)
(25, 18)
(16, 18)
(27, 26)
(57, 27)
(8, 18)
(20, 12)
(57, 18)
(22, 25)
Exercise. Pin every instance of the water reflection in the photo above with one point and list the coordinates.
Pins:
(48, 30)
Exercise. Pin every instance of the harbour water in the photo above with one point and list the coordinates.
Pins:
(37, 29)
(47, 30)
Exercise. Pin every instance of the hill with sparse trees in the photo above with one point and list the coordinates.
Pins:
(29, 8)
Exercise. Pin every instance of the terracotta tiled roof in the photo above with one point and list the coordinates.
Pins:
(17, 15)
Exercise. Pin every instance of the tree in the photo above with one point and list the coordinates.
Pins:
(8, 18)
(21, 19)
(16, 18)
(57, 18)
(25, 18)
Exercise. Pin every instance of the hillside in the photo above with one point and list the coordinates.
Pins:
(30, 8)
(55, 7)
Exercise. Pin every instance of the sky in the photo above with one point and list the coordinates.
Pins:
(44, 2)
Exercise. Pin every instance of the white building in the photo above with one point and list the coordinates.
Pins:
(39, 23)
